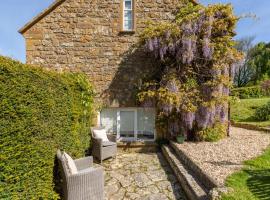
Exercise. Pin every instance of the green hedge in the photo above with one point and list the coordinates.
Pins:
(248, 92)
(40, 111)
(262, 113)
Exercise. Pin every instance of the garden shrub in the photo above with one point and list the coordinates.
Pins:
(212, 134)
(40, 111)
(263, 113)
(249, 92)
(265, 85)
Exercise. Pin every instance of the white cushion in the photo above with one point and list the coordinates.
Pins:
(101, 134)
(70, 163)
(90, 169)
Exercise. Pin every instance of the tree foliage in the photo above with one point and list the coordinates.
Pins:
(255, 67)
(244, 73)
(191, 86)
(260, 61)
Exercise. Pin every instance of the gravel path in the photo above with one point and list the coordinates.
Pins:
(222, 158)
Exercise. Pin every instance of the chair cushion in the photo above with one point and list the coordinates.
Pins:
(108, 143)
(70, 164)
(101, 134)
(90, 169)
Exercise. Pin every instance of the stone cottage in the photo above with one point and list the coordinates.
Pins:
(99, 37)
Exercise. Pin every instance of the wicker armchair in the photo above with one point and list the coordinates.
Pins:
(103, 150)
(87, 184)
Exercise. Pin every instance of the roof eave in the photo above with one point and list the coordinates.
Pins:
(40, 16)
(195, 2)
(47, 11)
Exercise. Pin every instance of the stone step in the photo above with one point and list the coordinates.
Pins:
(137, 147)
(190, 184)
(206, 180)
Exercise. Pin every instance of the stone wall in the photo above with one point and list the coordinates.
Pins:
(84, 35)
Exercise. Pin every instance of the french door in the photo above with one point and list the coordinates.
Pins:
(129, 124)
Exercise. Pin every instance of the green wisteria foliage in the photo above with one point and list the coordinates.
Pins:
(191, 87)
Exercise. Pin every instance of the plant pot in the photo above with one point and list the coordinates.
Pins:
(180, 139)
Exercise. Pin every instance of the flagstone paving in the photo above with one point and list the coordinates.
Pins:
(140, 176)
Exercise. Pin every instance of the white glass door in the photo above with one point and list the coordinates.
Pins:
(130, 124)
(127, 124)
(146, 124)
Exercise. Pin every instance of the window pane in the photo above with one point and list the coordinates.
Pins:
(128, 21)
(146, 123)
(109, 120)
(127, 123)
(128, 4)
(128, 25)
(128, 15)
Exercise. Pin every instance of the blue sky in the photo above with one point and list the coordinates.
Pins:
(15, 13)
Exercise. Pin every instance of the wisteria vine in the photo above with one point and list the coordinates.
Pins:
(192, 84)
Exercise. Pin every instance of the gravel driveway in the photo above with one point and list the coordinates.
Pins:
(222, 158)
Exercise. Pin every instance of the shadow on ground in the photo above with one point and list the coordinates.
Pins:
(259, 183)
(223, 163)
(171, 177)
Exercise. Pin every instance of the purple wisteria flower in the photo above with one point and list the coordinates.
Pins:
(166, 108)
(167, 35)
(188, 118)
(150, 45)
(202, 117)
(223, 114)
(172, 86)
(207, 49)
(226, 91)
(218, 110)
(148, 103)
(173, 128)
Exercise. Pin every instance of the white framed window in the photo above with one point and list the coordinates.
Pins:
(128, 23)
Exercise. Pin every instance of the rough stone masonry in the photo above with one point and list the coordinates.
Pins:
(86, 36)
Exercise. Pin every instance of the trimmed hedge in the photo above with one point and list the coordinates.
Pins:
(40, 111)
(263, 113)
(248, 92)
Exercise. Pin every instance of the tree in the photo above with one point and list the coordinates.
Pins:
(243, 72)
(259, 61)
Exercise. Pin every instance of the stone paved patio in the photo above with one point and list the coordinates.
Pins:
(140, 176)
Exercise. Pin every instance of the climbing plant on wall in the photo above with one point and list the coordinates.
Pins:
(191, 86)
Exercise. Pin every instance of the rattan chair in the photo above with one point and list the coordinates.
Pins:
(103, 150)
(87, 184)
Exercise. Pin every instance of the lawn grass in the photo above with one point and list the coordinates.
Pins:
(243, 111)
(252, 182)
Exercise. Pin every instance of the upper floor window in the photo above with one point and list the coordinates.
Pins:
(128, 22)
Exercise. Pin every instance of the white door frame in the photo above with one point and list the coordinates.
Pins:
(132, 139)
(135, 124)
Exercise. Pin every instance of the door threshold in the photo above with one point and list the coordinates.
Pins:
(135, 141)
